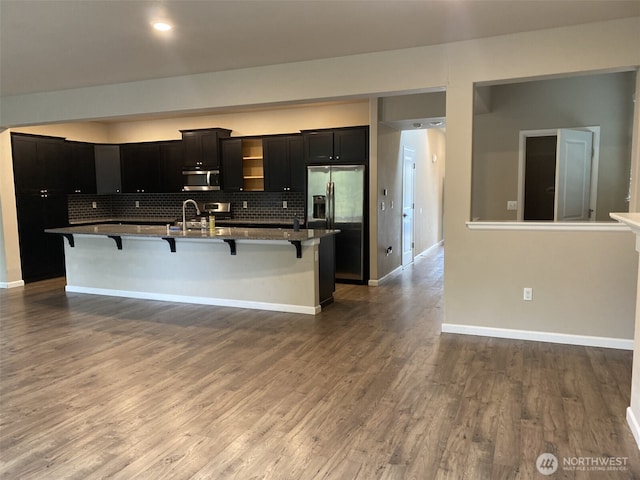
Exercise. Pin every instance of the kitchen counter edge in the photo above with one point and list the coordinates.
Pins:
(220, 233)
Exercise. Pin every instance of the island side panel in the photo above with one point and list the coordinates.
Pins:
(262, 275)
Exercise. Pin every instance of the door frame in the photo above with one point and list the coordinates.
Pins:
(524, 134)
(413, 193)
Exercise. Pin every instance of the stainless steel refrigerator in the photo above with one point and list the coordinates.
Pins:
(336, 200)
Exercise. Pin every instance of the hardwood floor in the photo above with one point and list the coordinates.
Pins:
(97, 387)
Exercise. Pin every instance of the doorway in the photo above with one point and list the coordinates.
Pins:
(408, 188)
(558, 174)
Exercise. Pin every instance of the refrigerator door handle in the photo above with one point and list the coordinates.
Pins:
(327, 213)
(330, 204)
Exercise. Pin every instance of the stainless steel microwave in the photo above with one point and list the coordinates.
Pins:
(201, 180)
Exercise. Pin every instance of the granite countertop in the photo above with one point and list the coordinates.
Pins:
(221, 233)
(171, 220)
(140, 220)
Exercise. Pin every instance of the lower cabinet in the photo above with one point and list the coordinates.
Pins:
(326, 269)
(41, 254)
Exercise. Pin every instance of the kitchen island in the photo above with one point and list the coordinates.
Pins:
(260, 268)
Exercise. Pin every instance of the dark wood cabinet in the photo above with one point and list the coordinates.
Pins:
(170, 174)
(318, 146)
(140, 167)
(41, 254)
(81, 167)
(284, 167)
(42, 180)
(201, 149)
(340, 145)
(232, 179)
(108, 174)
(148, 167)
(42, 168)
(39, 164)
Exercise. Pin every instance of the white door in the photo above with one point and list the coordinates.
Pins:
(573, 175)
(408, 168)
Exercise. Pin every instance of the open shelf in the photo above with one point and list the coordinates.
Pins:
(252, 165)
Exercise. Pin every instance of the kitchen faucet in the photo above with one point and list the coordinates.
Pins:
(184, 206)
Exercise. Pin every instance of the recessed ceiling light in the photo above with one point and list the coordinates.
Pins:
(162, 26)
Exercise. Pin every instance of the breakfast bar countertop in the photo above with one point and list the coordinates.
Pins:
(219, 233)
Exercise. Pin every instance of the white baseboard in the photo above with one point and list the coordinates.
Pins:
(219, 302)
(376, 283)
(550, 337)
(17, 283)
(432, 247)
(633, 425)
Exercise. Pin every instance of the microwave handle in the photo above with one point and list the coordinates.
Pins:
(209, 178)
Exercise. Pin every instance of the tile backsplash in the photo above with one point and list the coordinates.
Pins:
(260, 205)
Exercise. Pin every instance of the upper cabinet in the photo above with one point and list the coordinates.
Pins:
(201, 148)
(232, 165)
(170, 170)
(108, 174)
(82, 168)
(252, 165)
(153, 167)
(139, 163)
(243, 165)
(284, 167)
(39, 164)
(339, 145)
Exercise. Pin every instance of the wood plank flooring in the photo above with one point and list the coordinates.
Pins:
(96, 387)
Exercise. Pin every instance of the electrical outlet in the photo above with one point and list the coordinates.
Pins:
(137, 204)
(284, 204)
(244, 204)
(382, 206)
(94, 204)
(527, 294)
(512, 205)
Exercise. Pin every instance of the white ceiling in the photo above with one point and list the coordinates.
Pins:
(61, 44)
